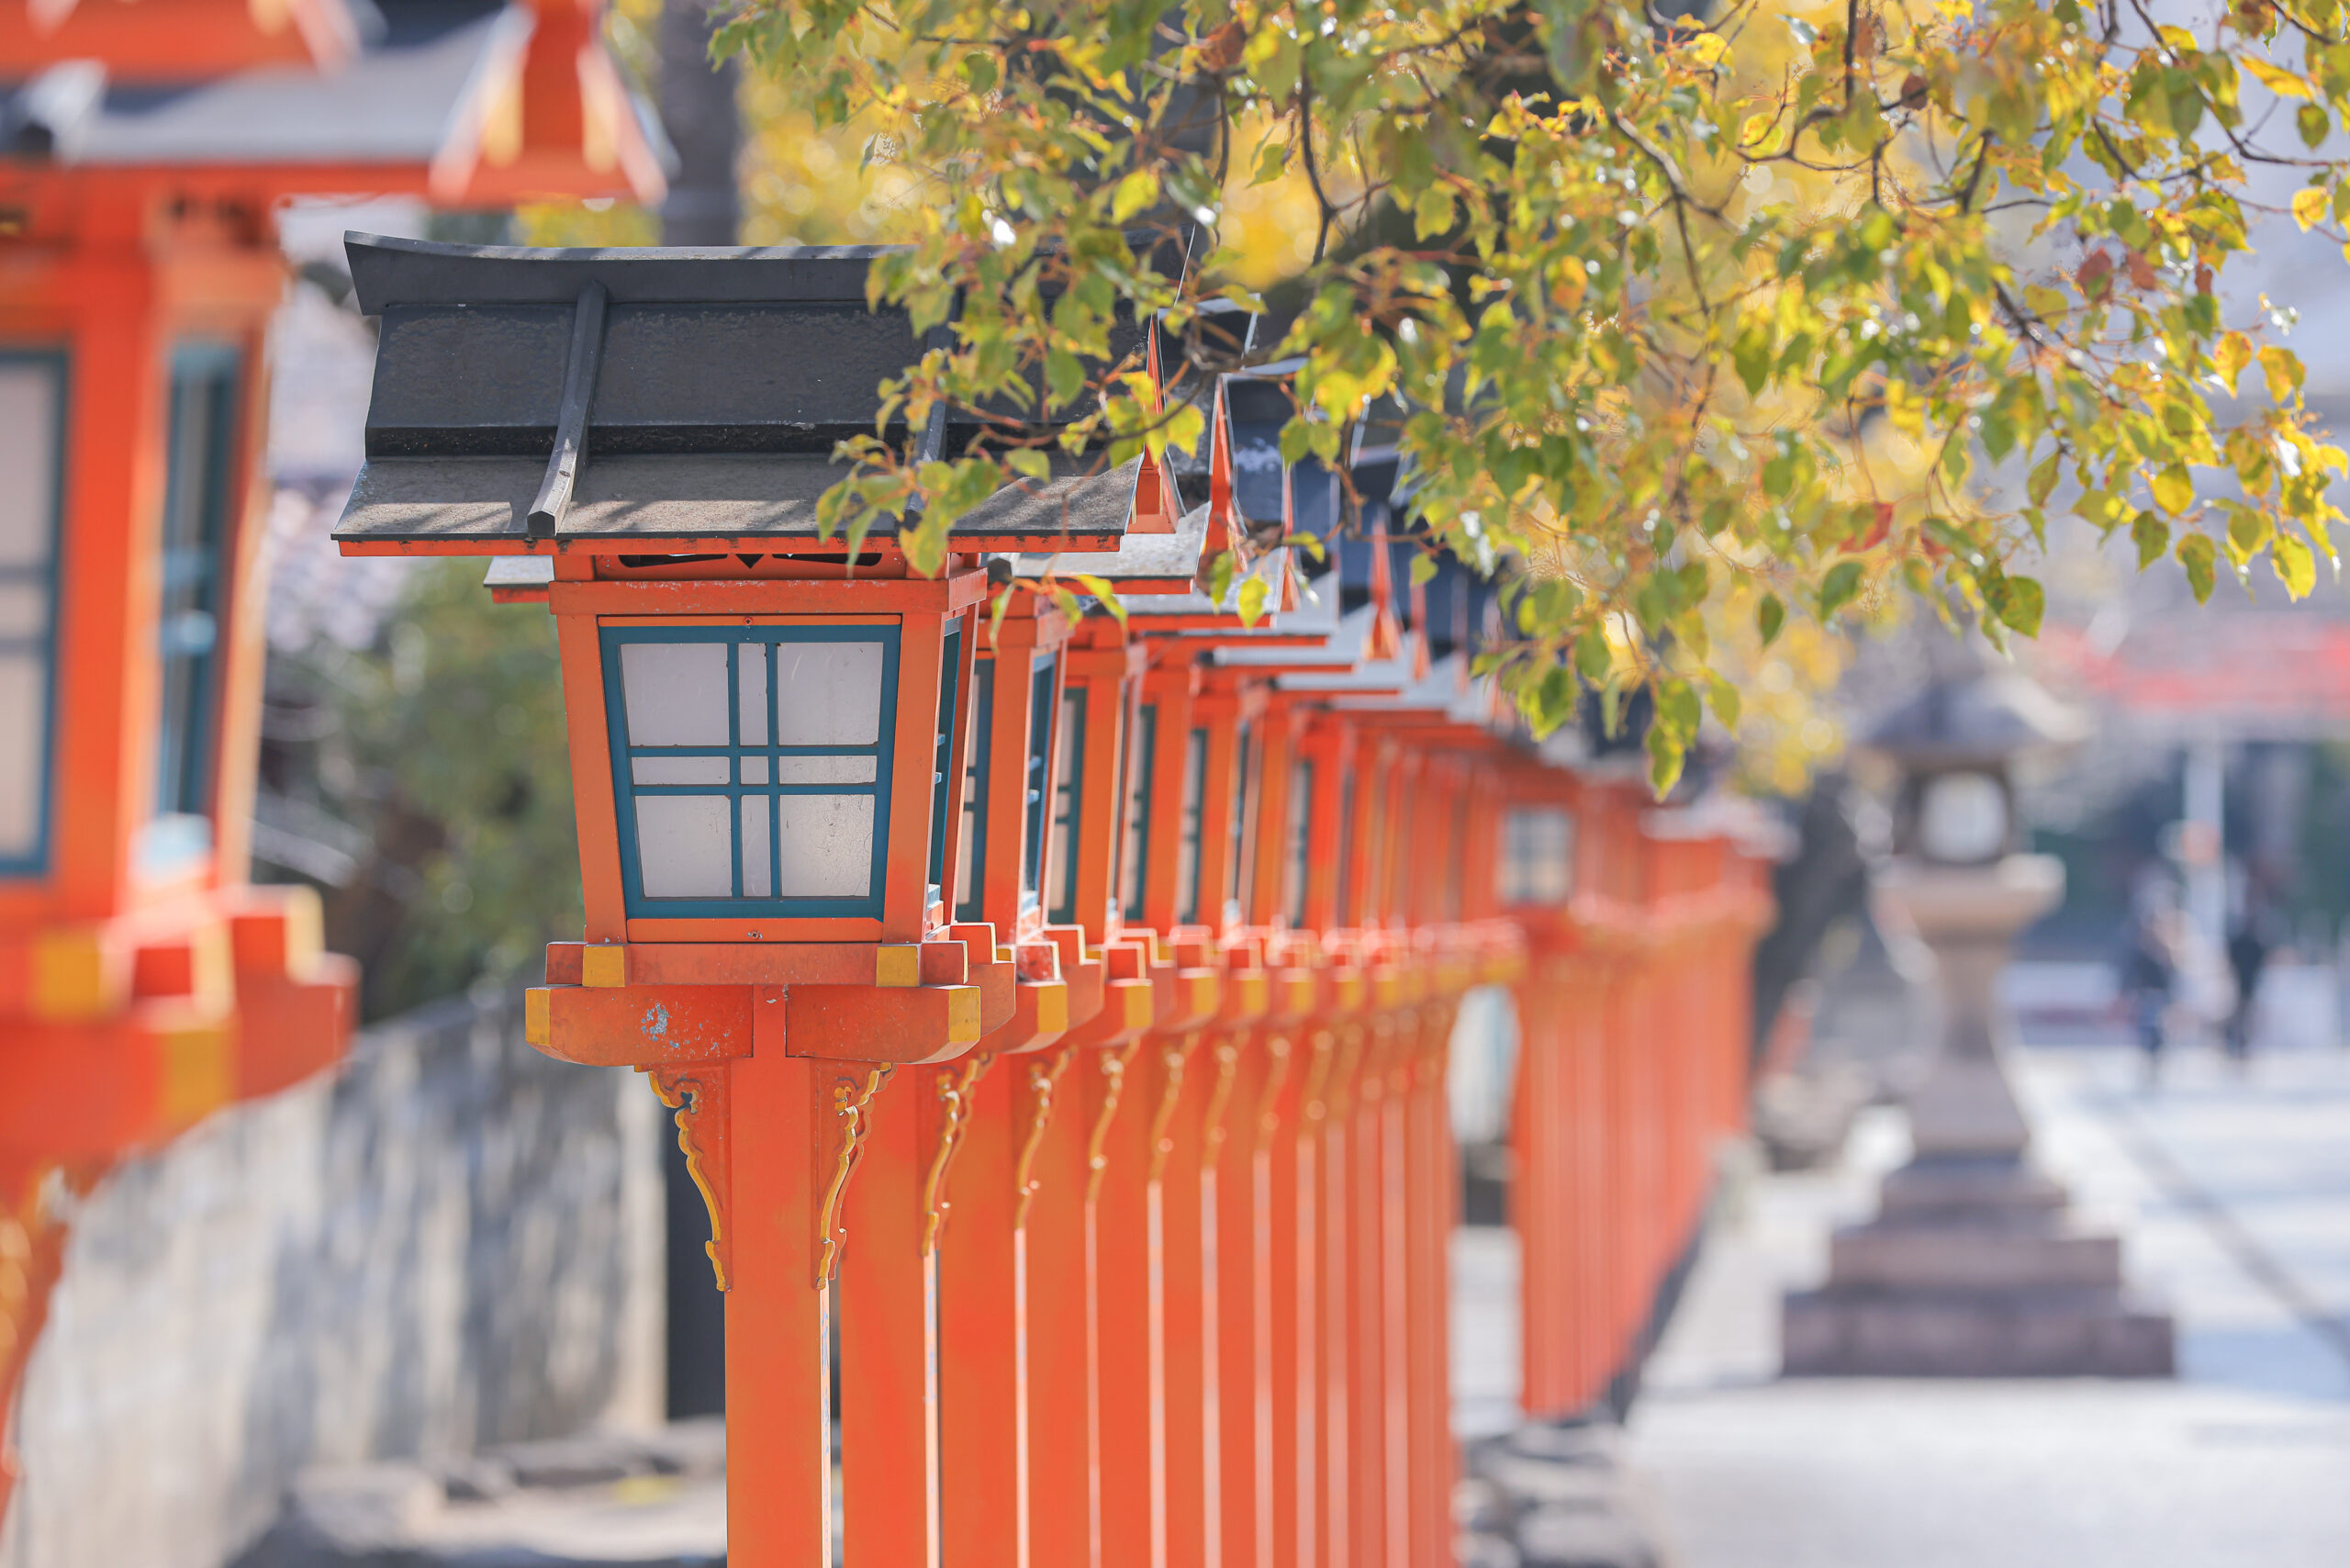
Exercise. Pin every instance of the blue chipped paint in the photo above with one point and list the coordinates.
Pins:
(656, 1022)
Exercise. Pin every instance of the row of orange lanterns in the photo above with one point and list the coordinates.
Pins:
(1056, 1006)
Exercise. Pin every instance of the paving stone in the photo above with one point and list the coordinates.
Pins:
(1478, 1550)
(599, 1501)
(1556, 1537)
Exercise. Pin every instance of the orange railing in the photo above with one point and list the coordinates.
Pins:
(1146, 1262)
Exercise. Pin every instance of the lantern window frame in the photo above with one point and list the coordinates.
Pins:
(48, 577)
(1531, 852)
(1037, 780)
(1133, 828)
(1297, 845)
(612, 637)
(205, 381)
(1068, 805)
(1192, 819)
(1241, 862)
(968, 894)
(946, 797)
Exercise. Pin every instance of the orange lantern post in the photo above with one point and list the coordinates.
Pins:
(143, 982)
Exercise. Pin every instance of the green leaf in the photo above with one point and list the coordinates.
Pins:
(1752, 354)
(1838, 589)
(1100, 589)
(1064, 376)
(1297, 441)
(2043, 477)
(1273, 161)
(1726, 700)
(2197, 554)
(2153, 537)
(1220, 569)
(1677, 708)
(1769, 616)
(1592, 655)
(2021, 606)
(1666, 754)
(1423, 569)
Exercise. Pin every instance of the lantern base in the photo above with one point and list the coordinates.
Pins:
(1972, 1269)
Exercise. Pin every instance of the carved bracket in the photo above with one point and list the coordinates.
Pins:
(1044, 1077)
(698, 1093)
(1113, 1061)
(956, 1087)
(1278, 1052)
(852, 1093)
(1212, 1131)
(1172, 1061)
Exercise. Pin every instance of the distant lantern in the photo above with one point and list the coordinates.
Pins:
(1956, 744)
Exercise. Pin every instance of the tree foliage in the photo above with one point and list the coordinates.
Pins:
(1690, 318)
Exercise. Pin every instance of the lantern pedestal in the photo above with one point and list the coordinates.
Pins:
(1973, 1267)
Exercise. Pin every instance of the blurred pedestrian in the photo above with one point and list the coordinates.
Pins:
(2248, 947)
(2148, 965)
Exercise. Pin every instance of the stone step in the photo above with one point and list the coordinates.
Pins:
(1988, 1259)
(2088, 1333)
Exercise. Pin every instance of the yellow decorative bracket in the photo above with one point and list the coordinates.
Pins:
(956, 1087)
(852, 1095)
(1044, 1077)
(698, 1093)
(1112, 1062)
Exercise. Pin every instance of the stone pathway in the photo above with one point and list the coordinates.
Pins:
(2234, 1198)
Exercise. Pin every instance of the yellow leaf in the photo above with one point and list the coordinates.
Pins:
(1139, 189)
(2294, 566)
(2230, 355)
(2308, 206)
(2174, 491)
(2283, 368)
(2282, 83)
(1707, 48)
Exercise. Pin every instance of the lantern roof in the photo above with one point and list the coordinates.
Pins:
(615, 399)
(390, 95)
(177, 39)
(1979, 719)
(1161, 564)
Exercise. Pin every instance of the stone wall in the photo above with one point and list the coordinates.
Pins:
(452, 1242)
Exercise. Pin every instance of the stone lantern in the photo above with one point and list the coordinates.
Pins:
(1973, 1266)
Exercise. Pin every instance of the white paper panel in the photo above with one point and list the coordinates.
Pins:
(1538, 856)
(27, 463)
(680, 769)
(755, 770)
(751, 687)
(827, 845)
(685, 848)
(826, 769)
(676, 693)
(828, 693)
(756, 881)
(22, 754)
(24, 610)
